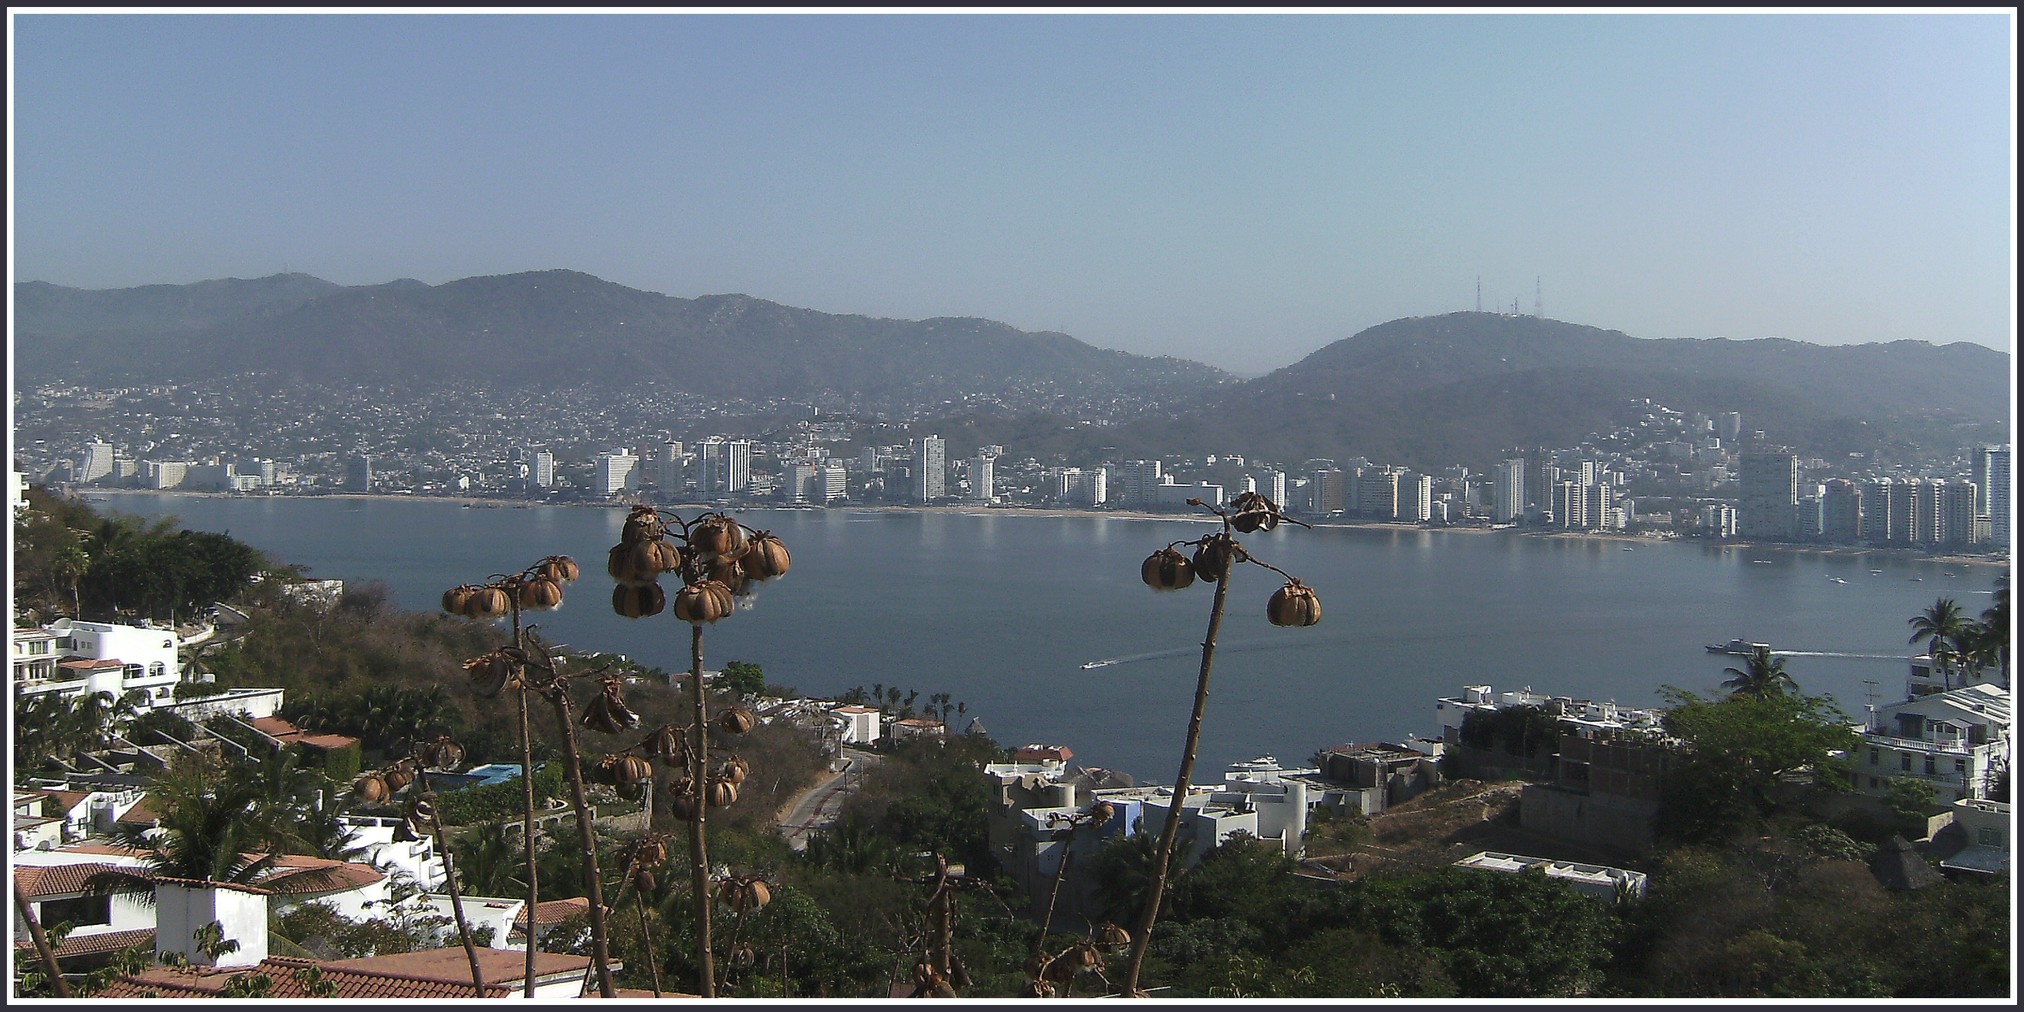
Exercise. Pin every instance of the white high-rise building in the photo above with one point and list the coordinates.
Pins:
(830, 483)
(1416, 498)
(1274, 487)
(614, 472)
(542, 474)
(97, 462)
(931, 469)
(1134, 482)
(797, 481)
(1081, 486)
(1996, 490)
(1510, 491)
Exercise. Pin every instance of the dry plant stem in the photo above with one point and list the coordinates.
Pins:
(450, 879)
(1144, 934)
(600, 950)
(647, 942)
(1060, 871)
(699, 848)
(27, 912)
(527, 836)
(527, 807)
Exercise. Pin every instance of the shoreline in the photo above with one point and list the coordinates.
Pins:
(980, 509)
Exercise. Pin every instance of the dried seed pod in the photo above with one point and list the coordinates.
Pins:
(744, 956)
(1111, 938)
(702, 602)
(540, 594)
(1036, 989)
(1167, 569)
(729, 573)
(756, 890)
(641, 524)
(488, 673)
(1060, 970)
(1100, 812)
(735, 770)
(1251, 511)
(721, 792)
(1293, 605)
(488, 603)
(669, 746)
(736, 720)
(560, 568)
(1084, 955)
(371, 789)
(649, 852)
(924, 971)
(717, 535)
(632, 769)
(1214, 556)
(441, 753)
(398, 776)
(643, 881)
(661, 556)
(958, 974)
(744, 895)
(638, 600)
(457, 598)
(683, 801)
(632, 563)
(765, 558)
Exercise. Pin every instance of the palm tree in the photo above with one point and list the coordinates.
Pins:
(212, 828)
(1942, 627)
(1762, 676)
(1994, 638)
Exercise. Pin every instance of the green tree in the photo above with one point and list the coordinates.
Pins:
(1760, 677)
(1736, 752)
(744, 678)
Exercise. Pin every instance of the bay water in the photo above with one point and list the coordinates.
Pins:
(1039, 625)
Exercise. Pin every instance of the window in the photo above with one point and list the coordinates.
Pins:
(1872, 755)
(1930, 769)
(1960, 765)
(79, 912)
(1988, 836)
(1905, 763)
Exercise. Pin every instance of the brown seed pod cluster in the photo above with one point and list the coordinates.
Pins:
(684, 801)
(716, 559)
(440, 753)
(1251, 511)
(1167, 569)
(744, 894)
(1217, 554)
(1294, 605)
(607, 712)
(488, 673)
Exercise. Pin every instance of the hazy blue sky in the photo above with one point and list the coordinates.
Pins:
(1238, 189)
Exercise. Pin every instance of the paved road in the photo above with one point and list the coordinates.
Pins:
(817, 807)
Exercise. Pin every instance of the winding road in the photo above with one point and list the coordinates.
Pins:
(817, 806)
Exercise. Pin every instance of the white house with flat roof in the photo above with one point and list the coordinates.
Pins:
(1957, 741)
(73, 658)
(1599, 881)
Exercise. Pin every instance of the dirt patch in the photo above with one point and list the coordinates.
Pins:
(1449, 823)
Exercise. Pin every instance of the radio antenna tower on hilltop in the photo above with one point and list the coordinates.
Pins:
(1479, 293)
(1537, 305)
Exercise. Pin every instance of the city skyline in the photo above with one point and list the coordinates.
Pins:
(1236, 189)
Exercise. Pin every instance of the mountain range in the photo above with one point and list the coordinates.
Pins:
(1422, 391)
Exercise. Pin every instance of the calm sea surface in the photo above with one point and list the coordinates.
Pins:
(1002, 610)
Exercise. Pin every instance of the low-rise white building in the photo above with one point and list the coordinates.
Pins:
(1957, 741)
(72, 658)
(1599, 881)
(860, 724)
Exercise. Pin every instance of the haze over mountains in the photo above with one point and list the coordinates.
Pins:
(1423, 391)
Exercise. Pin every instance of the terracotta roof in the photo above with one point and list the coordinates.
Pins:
(450, 963)
(294, 873)
(66, 801)
(554, 911)
(88, 664)
(143, 812)
(279, 727)
(327, 742)
(90, 945)
(42, 882)
(351, 982)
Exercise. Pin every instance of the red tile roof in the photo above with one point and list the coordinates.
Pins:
(554, 911)
(38, 883)
(88, 945)
(450, 963)
(202, 982)
(294, 873)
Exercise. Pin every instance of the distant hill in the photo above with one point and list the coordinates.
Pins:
(1424, 392)
(1466, 387)
(558, 328)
